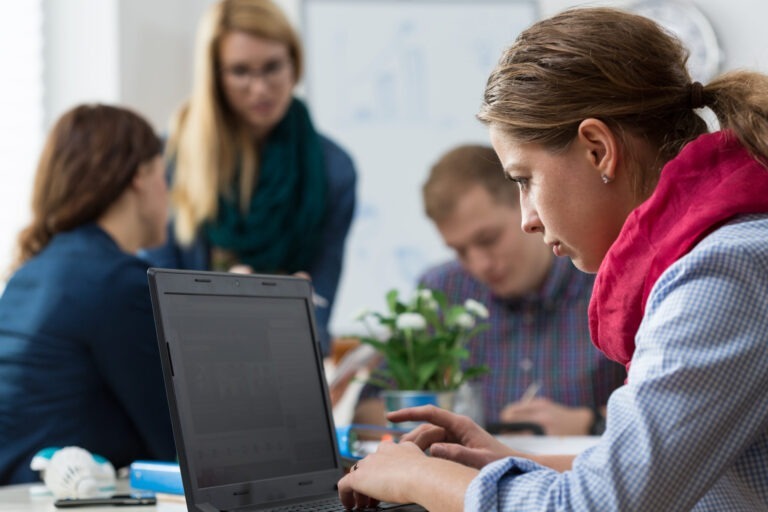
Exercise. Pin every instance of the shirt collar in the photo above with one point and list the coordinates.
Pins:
(548, 293)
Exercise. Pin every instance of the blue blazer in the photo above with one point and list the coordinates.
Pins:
(79, 362)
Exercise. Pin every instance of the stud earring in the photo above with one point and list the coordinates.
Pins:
(606, 179)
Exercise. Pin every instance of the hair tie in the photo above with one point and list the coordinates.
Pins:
(697, 95)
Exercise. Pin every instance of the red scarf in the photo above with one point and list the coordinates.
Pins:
(712, 180)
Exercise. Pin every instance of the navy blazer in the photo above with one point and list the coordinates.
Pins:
(79, 361)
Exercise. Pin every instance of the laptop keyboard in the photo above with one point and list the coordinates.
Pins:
(329, 505)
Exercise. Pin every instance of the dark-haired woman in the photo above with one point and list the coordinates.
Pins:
(79, 363)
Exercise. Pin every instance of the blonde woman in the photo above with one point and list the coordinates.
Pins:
(78, 354)
(254, 185)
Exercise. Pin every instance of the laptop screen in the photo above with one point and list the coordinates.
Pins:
(254, 395)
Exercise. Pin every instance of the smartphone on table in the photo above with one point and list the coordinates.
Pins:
(117, 499)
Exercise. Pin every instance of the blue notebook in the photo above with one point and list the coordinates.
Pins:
(150, 475)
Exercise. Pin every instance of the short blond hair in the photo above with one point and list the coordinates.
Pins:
(458, 170)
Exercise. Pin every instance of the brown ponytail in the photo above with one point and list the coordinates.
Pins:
(625, 70)
(739, 99)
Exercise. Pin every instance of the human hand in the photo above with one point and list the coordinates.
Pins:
(386, 475)
(554, 418)
(451, 436)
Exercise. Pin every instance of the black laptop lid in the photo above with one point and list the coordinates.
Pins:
(246, 388)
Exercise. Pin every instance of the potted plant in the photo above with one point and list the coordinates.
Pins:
(424, 343)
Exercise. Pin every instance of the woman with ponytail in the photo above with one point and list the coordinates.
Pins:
(595, 118)
(79, 362)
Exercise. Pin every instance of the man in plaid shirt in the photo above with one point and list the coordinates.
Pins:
(538, 342)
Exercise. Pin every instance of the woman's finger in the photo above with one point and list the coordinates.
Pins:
(474, 458)
(427, 437)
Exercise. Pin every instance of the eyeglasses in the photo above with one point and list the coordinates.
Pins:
(274, 72)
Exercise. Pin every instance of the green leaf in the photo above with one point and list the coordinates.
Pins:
(402, 374)
(432, 318)
(441, 299)
(378, 345)
(392, 300)
(425, 373)
(475, 371)
(477, 330)
(381, 383)
(459, 353)
(453, 313)
(424, 359)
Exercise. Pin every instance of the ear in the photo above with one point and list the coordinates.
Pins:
(600, 146)
(139, 177)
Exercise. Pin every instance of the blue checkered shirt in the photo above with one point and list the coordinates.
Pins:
(689, 431)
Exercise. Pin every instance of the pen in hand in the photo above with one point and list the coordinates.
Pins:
(530, 392)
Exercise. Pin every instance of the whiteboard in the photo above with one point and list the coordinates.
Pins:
(398, 83)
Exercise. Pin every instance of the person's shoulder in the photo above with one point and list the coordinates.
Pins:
(340, 166)
(735, 252)
(332, 147)
(83, 251)
(447, 274)
(743, 239)
(748, 231)
(719, 284)
(85, 265)
(107, 267)
(121, 285)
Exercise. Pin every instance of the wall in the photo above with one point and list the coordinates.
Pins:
(397, 88)
(739, 25)
(80, 54)
(139, 53)
(136, 53)
(133, 52)
(391, 242)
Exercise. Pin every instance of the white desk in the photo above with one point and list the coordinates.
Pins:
(17, 498)
(549, 445)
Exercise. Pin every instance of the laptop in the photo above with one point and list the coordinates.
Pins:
(249, 405)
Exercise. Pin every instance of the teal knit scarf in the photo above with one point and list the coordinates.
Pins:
(281, 231)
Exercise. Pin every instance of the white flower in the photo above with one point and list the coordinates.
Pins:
(361, 314)
(411, 321)
(425, 294)
(383, 332)
(430, 304)
(465, 320)
(476, 308)
(425, 297)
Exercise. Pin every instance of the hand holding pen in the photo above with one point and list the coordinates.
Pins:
(555, 419)
(530, 392)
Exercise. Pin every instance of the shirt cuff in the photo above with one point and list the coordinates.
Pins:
(483, 493)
